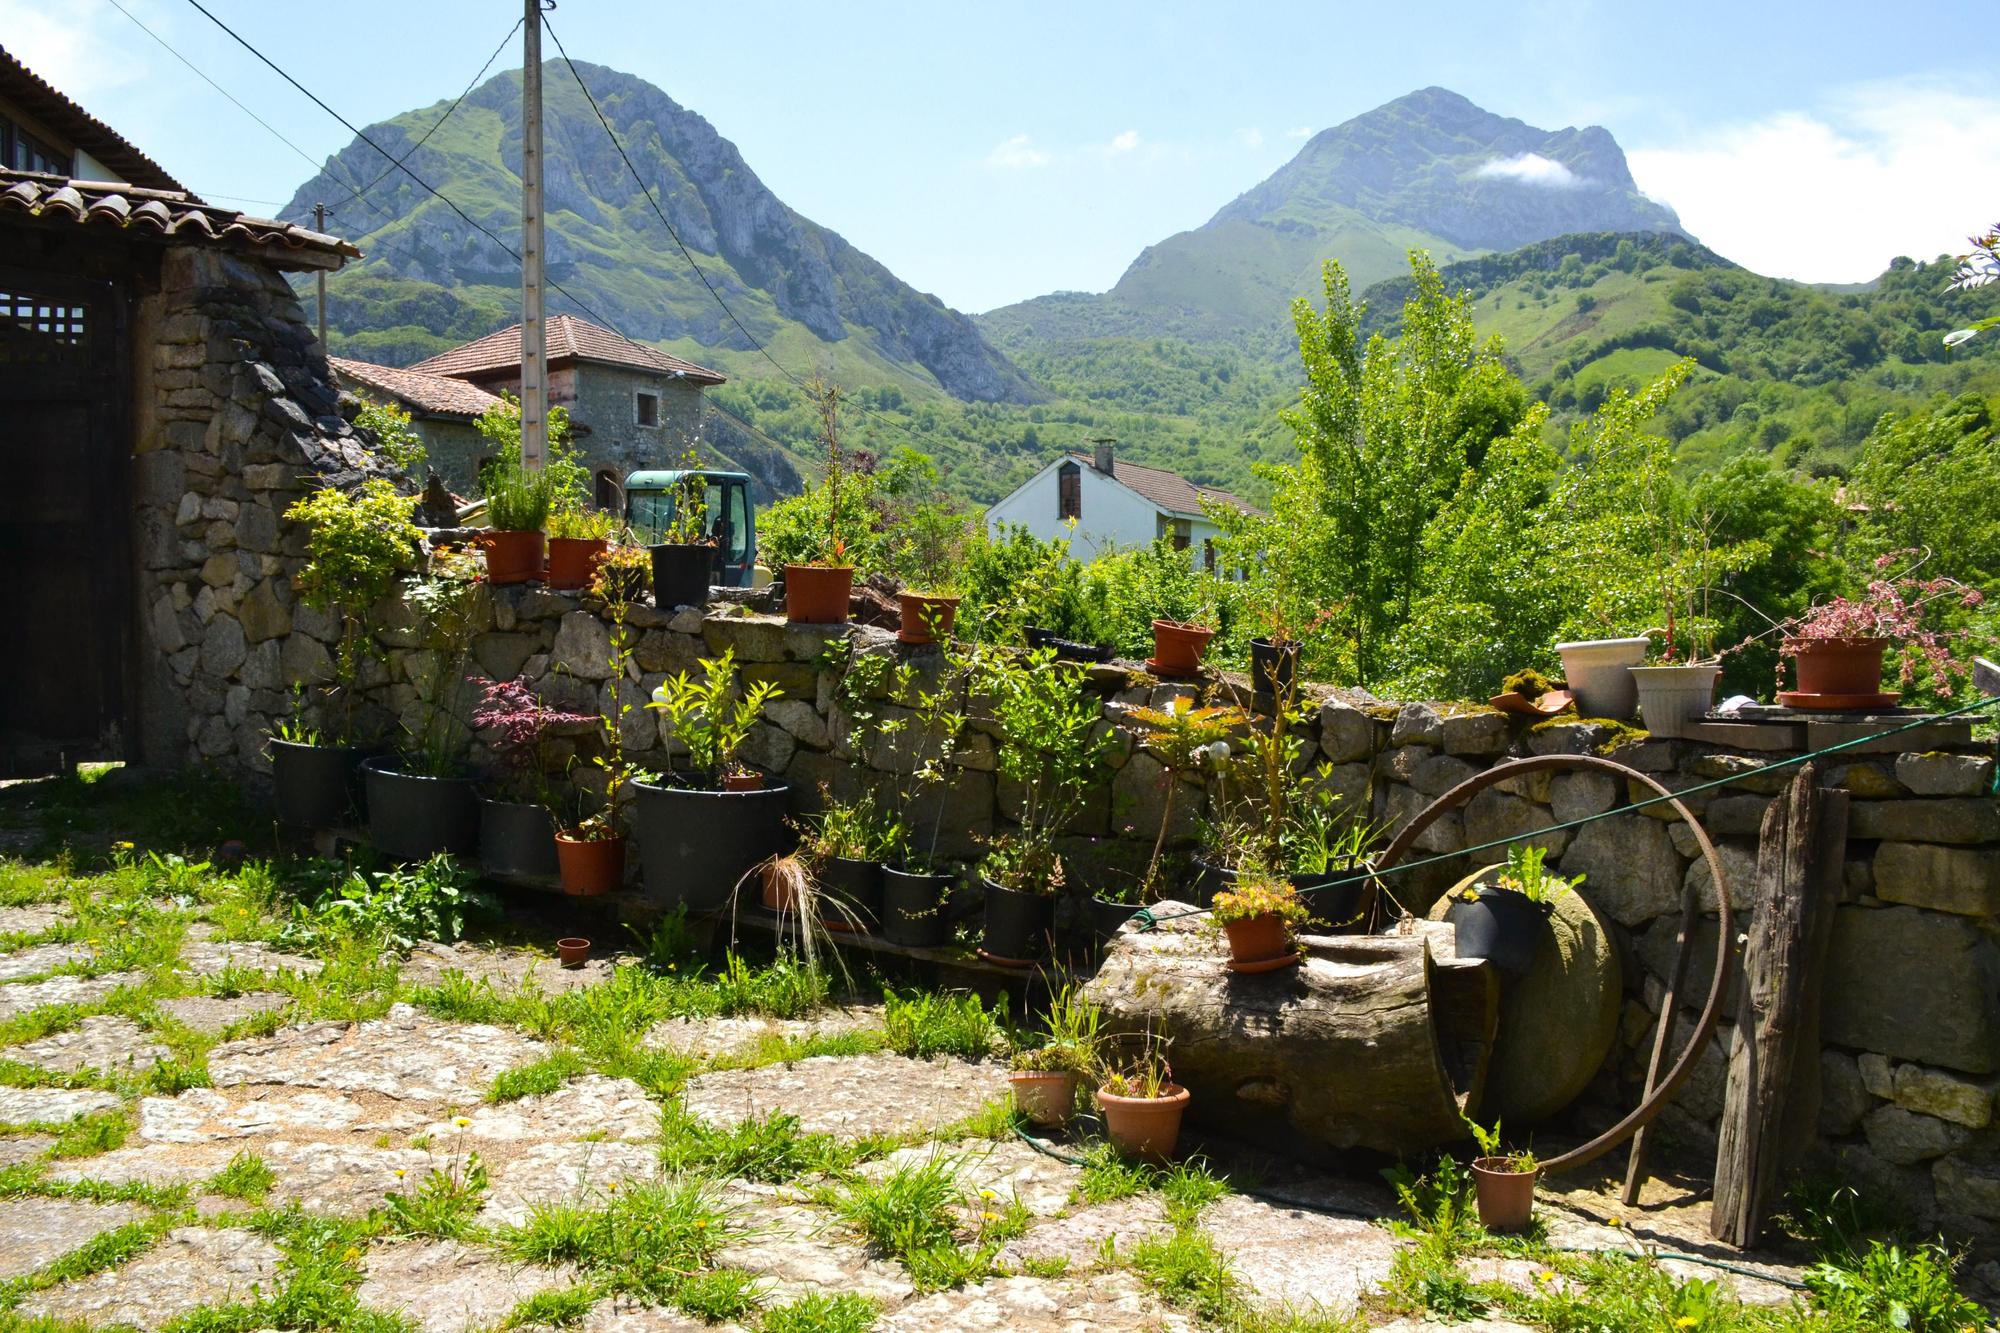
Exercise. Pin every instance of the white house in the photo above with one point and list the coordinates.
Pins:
(1114, 505)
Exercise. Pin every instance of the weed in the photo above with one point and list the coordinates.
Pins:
(1109, 1175)
(775, 1048)
(171, 1077)
(561, 1307)
(1831, 1217)
(1439, 1204)
(1187, 1188)
(432, 901)
(817, 1312)
(463, 999)
(246, 1177)
(554, 1234)
(672, 942)
(648, 1243)
(537, 1079)
(1425, 1277)
(1910, 1290)
(1054, 1266)
(88, 1136)
(771, 1150)
(1189, 1273)
(445, 1206)
(909, 1209)
(786, 989)
(923, 1024)
(719, 1294)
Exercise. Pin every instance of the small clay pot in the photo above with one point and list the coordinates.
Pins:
(1145, 1126)
(573, 561)
(1258, 939)
(1045, 1098)
(779, 896)
(591, 867)
(512, 557)
(817, 594)
(1177, 648)
(751, 781)
(923, 615)
(1506, 1198)
(573, 952)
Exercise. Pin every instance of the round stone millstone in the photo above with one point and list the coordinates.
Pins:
(1557, 1022)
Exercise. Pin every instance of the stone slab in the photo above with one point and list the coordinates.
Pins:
(1110, 1302)
(1079, 1235)
(43, 958)
(40, 1231)
(213, 1013)
(1765, 736)
(108, 1043)
(800, 1250)
(508, 970)
(52, 1106)
(1291, 1256)
(1913, 985)
(402, 1056)
(1874, 737)
(32, 919)
(851, 1097)
(446, 1287)
(743, 1036)
(19, 997)
(190, 1267)
(564, 1172)
(209, 957)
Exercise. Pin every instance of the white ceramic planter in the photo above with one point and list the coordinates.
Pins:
(1599, 672)
(1670, 697)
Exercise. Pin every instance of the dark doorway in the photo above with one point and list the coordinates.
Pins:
(63, 521)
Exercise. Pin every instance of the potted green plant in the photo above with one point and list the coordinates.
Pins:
(683, 559)
(1258, 914)
(622, 573)
(817, 591)
(592, 851)
(517, 506)
(1183, 738)
(517, 823)
(1142, 1104)
(846, 843)
(1044, 1078)
(578, 541)
(1504, 921)
(358, 542)
(929, 614)
(422, 801)
(698, 840)
(1504, 1182)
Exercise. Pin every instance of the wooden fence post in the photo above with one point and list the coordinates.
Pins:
(1774, 1066)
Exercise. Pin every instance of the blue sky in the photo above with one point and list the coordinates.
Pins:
(989, 152)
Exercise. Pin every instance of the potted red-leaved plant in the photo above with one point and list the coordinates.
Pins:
(517, 833)
(1838, 646)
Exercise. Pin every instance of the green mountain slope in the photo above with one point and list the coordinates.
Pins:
(429, 281)
(1429, 171)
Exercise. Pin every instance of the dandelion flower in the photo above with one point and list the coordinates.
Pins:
(462, 1121)
(1614, 1221)
(989, 1217)
(399, 1173)
(701, 1224)
(1686, 1321)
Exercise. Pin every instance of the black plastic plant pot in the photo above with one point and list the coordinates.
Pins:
(913, 908)
(1018, 925)
(315, 783)
(681, 574)
(412, 817)
(1106, 917)
(1501, 926)
(694, 845)
(851, 893)
(1335, 897)
(1274, 667)
(1209, 880)
(516, 840)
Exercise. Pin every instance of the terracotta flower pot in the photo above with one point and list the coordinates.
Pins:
(1258, 939)
(573, 561)
(1177, 648)
(751, 781)
(573, 952)
(779, 895)
(921, 614)
(1840, 666)
(817, 594)
(512, 557)
(1506, 1198)
(590, 867)
(1045, 1098)
(1144, 1126)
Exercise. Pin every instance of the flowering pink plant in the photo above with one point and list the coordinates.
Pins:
(524, 722)
(1891, 609)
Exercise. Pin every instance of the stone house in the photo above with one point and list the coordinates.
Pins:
(1105, 505)
(444, 412)
(630, 406)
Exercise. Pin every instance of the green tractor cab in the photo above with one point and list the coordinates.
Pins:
(731, 517)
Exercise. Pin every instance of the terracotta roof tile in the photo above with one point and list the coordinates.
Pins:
(569, 339)
(436, 395)
(1169, 490)
(168, 214)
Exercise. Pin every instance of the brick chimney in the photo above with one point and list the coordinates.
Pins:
(1103, 460)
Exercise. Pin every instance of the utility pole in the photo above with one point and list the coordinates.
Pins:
(534, 335)
(319, 225)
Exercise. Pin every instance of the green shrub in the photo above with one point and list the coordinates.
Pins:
(925, 1023)
(1890, 1287)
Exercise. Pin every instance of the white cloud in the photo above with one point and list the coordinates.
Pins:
(1252, 138)
(1302, 132)
(1125, 142)
(1532, 169)
(1885, 170)
(1016, 152)
(67, 44)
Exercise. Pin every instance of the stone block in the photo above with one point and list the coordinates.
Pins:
(960, 811)
(1907, 1190)
(158, 478)
(502, 656)
(1751, 775)
(1418, 724)
(583, 647)
(1477, 733)
(1645, 755)
(263, 667)
(1946, 1095)
(1945, 879)
(802, 721)
(1940, 774)
(687, 620)
(1404, 804)
(263, 615)
(795, 680)
(1439, 773)
(1139, 802)
(1398, 764)
(321, 625)
(1633, 873)
(768, 748)
(266, 476)
(1349, 785)
(165, 623)
(216, 738)
(1736, 816)
(1656, 952)
(223, 646)
(665, 650)
(1914, 986)
(1939, 819)
(1969, 1188)
(1843, 1098)
(1567, 737)
(1739, 870)
(976, 750)
(1538, 786)
(1867, 782)
(1580, 795)
(219, 570)
(1346, 734)
(1904, 1138)
(304, 660)
(257, 528)
(537, 603)
(1494, 814)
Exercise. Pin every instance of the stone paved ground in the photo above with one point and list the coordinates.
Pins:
(159, 1096)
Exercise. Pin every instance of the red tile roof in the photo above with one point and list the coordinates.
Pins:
(169, 213)
(28, 91)
(569, 339)
(433, 395)
(1169, 490)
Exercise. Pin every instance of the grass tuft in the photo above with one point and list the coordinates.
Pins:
(818, 1312)
(538, 1079)
(923, 1024)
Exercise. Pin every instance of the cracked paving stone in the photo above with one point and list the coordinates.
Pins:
(616, 1108)
(209, 957)
(507, 969)
(546, 1173)
(18, 1148)
(32, 919)
(107, 1043)
(1010, 1168)
(1293, 1257)
(1080, 1236)
(798, 1250)
(402, 1056)
(21, 996)
(39, 1231)
(1109, 1302)
(52, 1106)
(190, 1267)
(213, 1013)
(43, 958)
(344, 1178)
(742, 1036)
(851, 1097)
(201, 1115)
(446, 1287)
(619, 1316)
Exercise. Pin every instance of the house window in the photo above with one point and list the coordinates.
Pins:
(610, 495)
(1069, 492)
(1180, 529)
(648, 409)
(24, 152)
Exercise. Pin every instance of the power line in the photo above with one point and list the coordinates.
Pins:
(448, 110)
